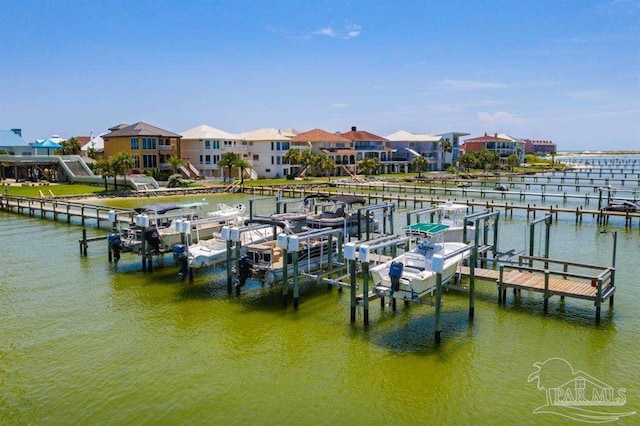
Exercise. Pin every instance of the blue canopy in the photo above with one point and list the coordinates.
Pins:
(48, 144)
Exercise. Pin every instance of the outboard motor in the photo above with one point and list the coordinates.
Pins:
(395, 273)
(115, 245)
(245, 270)
(152, 238)
(180, 254)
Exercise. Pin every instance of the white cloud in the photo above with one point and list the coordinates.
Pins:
(347, 32)
(500, 118)
(472, 85)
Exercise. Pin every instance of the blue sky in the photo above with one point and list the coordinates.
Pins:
(567, 71)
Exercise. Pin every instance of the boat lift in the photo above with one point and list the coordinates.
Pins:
(291, 243)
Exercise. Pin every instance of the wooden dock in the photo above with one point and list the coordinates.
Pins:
(58, 210)
(525, 275)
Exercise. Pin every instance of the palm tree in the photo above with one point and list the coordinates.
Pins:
(242, 164)
(420, 164)
(70, 147)
(103, 168)
(553, 157)
(327, 164)
(512, 161)
(228, 159)
(120, 163)
(92, 152)
(175, 162)
(292, 157)
(468, 160)
(369, 165)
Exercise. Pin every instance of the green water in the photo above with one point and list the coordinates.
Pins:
(84, 342)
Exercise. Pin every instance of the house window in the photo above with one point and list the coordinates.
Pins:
(136, 161)
(150, 161)
(207, 144)
(256, 157)
(201, 158)
(207, 159)
(285, 146)
(278, 159)
(149, 143)
(271, 145)
(216, 144)
(216, 158)
(272, 162)
(268, 170)
(134, 143)
(277, 146)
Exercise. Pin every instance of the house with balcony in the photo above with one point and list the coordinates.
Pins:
(149, 146)
(369, 145)
(409, 145)
(502, 144)
(266, 150)
(333, 145)
(452, 139)
(203, 147)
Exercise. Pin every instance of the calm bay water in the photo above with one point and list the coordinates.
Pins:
(86, 342)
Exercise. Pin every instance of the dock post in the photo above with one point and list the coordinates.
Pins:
(229, 272)
(238, 246)
(472, 282)
(329, 256)
(296, 278)
(598, 300)
(285, 277)
(438, 324)
(546, 291)
(144, 255)
(85, 245)
(353, 282)
(365, 291)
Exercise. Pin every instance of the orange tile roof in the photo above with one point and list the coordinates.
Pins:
(361, 135)
(342, 151)
(318, 135)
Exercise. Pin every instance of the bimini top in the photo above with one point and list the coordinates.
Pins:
(451, 206)
(162, 208)
(348, 199)
(427, 229)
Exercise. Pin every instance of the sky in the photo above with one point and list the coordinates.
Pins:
(566, 71)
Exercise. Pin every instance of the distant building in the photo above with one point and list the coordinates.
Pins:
(503, 145)
(96, 143)
(150, 146)
(12, 142)
(369, 145)
(539, 147)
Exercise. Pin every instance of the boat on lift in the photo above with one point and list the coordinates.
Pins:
(266, 259)
(210, 252)
(297, 219)
(413, 274)
(342, 213)
(453, 215)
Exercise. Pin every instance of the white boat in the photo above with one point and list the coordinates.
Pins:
(297, 219)
(207, 253)
(202, 228)
(453, 215)
(150, 219)
(342, 214)
(267, 261)
(414, 269)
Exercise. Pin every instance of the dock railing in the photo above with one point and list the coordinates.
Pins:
(553, 278)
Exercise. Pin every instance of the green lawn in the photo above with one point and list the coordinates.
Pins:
(62, 190)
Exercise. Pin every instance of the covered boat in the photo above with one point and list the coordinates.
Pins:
(343, 214)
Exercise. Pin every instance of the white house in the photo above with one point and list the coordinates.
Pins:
(266, 149)
(409, 145)
(203, 146)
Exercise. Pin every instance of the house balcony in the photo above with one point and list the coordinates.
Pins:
(166, 148)
(238, 149)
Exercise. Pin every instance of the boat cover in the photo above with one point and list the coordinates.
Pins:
(429, 229)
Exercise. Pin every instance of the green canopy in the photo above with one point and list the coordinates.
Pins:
(428, 229)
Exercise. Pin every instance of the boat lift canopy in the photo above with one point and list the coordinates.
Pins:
(429, 230)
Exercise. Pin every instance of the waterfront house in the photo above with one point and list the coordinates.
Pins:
(333, 145)
(453, 140)
(266, 150)
(203, 147)
(410, 145)
(150, 146)
(369, 145)
(503, 145)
